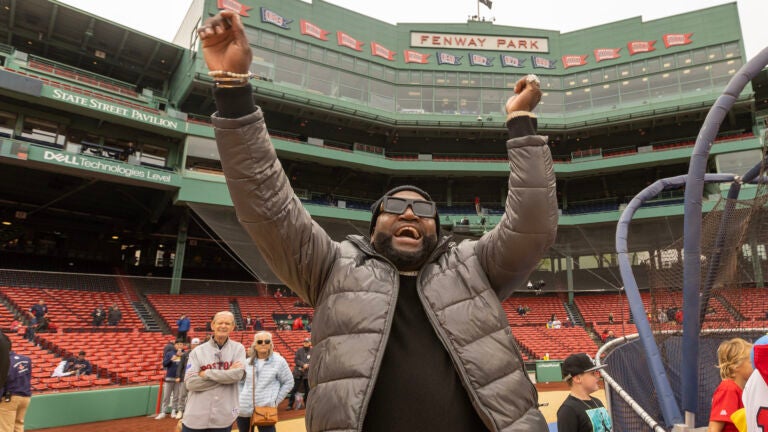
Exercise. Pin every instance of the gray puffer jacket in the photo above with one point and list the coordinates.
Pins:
(354, 290)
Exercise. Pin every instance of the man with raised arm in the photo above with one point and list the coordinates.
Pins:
(408, 330)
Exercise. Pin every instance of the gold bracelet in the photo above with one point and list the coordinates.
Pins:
(513, 114)
(226, 79)
(228, 74)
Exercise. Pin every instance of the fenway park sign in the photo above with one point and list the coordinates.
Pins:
(479, 42)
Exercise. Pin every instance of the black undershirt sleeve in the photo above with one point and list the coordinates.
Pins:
(522, 126)
(234, 102)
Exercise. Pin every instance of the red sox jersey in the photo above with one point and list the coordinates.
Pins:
(755, 396)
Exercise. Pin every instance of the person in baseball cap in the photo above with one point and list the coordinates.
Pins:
(577, 364)
(181, 372)
(580, 412)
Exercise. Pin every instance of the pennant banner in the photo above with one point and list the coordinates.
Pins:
(415, 57)
(272, 17)
(543, 63)
(480, 60)
(234, 5)
(574, 60)
(379, 50)
(348, 41)
(606, 54)
(675, 39)
(445, 58)
(511, 61)
(635, 47)
(309, 29)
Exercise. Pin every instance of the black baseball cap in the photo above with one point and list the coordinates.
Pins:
(577, 364)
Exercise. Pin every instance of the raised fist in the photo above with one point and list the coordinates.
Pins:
(527, 95)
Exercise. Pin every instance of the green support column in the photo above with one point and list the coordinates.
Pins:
(756, 267)
(181, 245)
(19, 126)
(569, 274)
(503, 196)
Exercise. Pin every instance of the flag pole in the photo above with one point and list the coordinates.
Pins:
(478, 10)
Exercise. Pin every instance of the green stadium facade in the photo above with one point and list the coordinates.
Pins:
(107, 156)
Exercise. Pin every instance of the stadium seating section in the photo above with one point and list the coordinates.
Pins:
(128, 354)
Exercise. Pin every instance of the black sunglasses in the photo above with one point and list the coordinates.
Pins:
(263, 342)
(397, 205)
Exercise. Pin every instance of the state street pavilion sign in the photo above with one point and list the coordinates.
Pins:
(480, 42)
(114, 109)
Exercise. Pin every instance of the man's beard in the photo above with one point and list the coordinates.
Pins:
(404, 261)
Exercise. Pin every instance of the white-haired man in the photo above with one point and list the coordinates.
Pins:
(213, 372)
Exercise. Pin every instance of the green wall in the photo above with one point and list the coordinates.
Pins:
(61, 409)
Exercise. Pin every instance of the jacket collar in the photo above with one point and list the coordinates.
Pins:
(364, 244)
(269, 359)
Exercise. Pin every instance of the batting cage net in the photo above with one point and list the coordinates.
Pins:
(733, 303)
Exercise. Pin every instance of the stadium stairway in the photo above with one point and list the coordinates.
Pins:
(143, 310)
(578, 319)
(592, 332)
(234, 307)
(738, 316)
(125, 286)
(574, 314)
(5, 319)
(528, 355)
(148, 318)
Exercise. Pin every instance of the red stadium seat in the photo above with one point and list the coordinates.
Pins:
(82, 384)
(59, 385)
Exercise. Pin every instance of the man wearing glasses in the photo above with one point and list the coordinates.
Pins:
(580, 412)
(408, 330)
(213, 372)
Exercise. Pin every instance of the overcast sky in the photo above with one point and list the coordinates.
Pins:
(161, 18)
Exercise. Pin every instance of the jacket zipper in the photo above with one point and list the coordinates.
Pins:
(387, 329)
(432, 320)
(522, 363)
(482, 411)
(456, 362)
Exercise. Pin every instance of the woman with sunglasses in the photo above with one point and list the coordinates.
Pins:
(268, 379)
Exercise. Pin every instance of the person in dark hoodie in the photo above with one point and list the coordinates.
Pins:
(171, 382)
(180, 371)
(17, 391)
